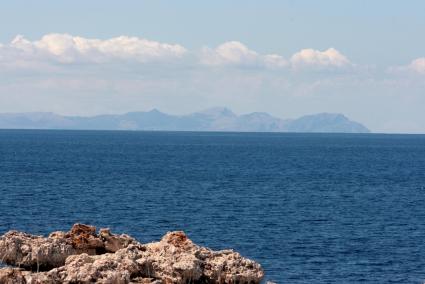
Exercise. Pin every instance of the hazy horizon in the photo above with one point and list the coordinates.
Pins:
(213, 119)
(287, 58)
(171, 113)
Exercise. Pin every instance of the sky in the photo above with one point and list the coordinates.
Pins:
(365, 59)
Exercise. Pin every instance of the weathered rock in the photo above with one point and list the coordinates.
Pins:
(39, 253)
(81, 256)
(173, 259)
(228, 266)
(177, 259)
(83, 237)
(34, 252)
(12, 276)
(20, 276)
(112, 243)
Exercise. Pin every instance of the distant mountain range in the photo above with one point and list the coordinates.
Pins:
(214, 119)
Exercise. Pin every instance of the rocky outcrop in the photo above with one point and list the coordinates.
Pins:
(38, 253)
(83, 256)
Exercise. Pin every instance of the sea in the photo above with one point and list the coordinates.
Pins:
(310, 208)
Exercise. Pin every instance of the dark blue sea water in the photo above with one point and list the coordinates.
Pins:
(311, 208)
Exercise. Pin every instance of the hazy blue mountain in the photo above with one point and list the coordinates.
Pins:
(326, 122)
(214, 119)
(261, 121)
(34, 120)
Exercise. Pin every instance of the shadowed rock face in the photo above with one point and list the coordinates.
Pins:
(82, 256)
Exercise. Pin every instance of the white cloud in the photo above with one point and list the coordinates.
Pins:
(315, 58)
(418, 65)
(64, 48)
(234, 53)
(231, 53)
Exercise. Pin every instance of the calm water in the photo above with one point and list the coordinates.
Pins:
(310, 208)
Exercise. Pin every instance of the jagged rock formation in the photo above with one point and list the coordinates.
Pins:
(82, 256)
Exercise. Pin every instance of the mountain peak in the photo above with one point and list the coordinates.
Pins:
(154, 110)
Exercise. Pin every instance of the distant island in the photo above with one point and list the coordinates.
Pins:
(214, 119)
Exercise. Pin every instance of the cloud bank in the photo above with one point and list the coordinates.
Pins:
(68, 49)
(65, 49)
(234, 53)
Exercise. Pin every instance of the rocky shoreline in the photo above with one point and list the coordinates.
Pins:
(84, 255)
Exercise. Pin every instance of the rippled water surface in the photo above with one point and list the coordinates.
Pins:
(311, 208)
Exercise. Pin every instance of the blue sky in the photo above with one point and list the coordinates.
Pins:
(288, 58)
